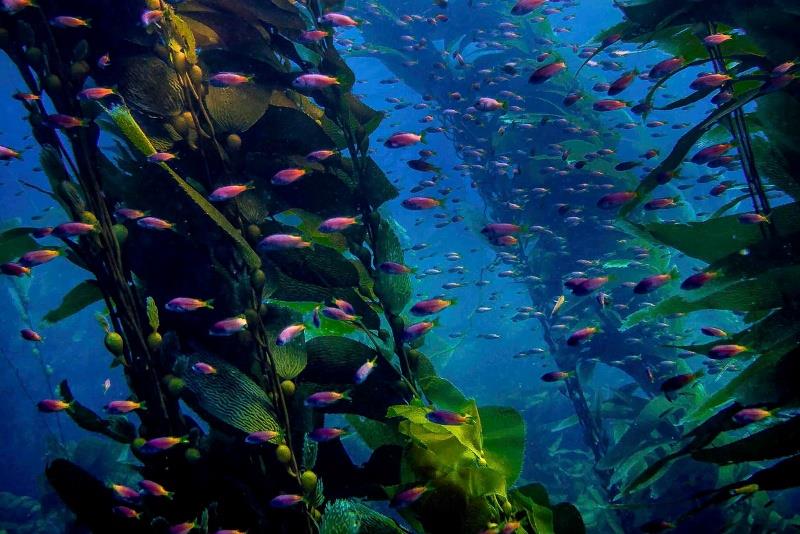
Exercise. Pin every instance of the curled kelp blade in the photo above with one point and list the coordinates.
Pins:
(236, 109)
(150, 86)
(228, 397)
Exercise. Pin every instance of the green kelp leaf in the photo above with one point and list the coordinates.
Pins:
(774, 167)
(308, 226)
(683, 147)
(151, 86)
(152, 314)
(317, 265)
(131, 131)
(780, 439)
(761, 293)
(503, 440)
(79, 297)
(236, 109)
(227, 398)
(428, 433)
(332, 364)
(567, 422)
(340, 517)
(639, 433)
(394, 290)
(117, 428)
(290, 359)
(567, 519)
(15, 242)
(53, 167)
(182, 37)
(374, 433)
(715, 239)
(376, 187)
(767, 380)
(534, 500)
(443, 394)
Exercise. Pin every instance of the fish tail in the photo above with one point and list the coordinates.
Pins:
(143, 405)
(209, 304)
(674, 273)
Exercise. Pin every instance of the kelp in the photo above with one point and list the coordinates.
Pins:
(228, 397)
(79, 297)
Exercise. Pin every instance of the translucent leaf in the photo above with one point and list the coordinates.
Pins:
(79, 297)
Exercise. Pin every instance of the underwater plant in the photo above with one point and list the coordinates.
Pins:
(212, 165)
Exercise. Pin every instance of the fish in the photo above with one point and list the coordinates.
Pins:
(429, 307)
(417, 330)
(53, 405)
(313, 36)
(542, 74)
(673, 384)
(120, 407)
(710, 153)
(651, 283)
(65, 21)
(314, 81)
(188, 304)
(721, 352)
(698, 280)
(229, 79)
(154, 223)
(320, 155)
(448, 418)
(609, 105)
(283, 242)
(622, 83)
(338, 314)
(14, 6)
(557, 306)
(407, 497)
(228, 192)
(615, 200)
(420, 203)
(336, 224)
(161, 157)
(261, 436)
(523, 7)
(289, 333)
(338, 19)
(65, 122)
(73, 229)
(709, 81)
(286, 501)
(557, 376)
(7, 153)
(747, 416)
(204, 368)
(228, 327)
(753, 218)
(713, 331)
(325, 398)
(287, 176)
(490, 104)
(182, 528)
(127, 512)
(391, 267)
(30, 335)
(154, 489)
(665, 67)
(96, 93)
(325, 434)
(125, 492)
(151, 17)
(104, 61)
(716, 39)
(363, 372)
(156, 445)
(403, 139)
(106, 385)
(577, 337)
(129, 214)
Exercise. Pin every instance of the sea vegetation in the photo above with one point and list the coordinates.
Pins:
(647, 447)
(134, 171)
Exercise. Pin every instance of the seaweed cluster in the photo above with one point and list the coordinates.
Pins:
(205, 287)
